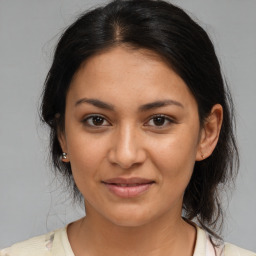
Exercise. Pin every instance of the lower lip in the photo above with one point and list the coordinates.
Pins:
(128, 192)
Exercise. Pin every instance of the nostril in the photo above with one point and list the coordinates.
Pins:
(126, 162)
(126, 166)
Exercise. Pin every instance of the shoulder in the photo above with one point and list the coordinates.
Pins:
(210, 246)
(43, 245)
(232, 250)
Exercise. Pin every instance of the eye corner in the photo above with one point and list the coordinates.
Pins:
(96, 121)
(160, 121)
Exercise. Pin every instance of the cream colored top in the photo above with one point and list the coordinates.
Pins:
(56, 243)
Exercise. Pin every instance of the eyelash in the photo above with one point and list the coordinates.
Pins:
(166, 119)
(86, 121)
(103, 119)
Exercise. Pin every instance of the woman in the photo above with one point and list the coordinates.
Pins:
(141, 127)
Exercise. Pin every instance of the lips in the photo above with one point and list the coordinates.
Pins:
(127, 188)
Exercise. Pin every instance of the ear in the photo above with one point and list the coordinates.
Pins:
(63, 143)
(210, 133)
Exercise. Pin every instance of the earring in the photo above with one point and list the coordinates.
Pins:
(202, 155)
(64, 155)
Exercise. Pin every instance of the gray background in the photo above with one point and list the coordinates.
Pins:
(31, 200)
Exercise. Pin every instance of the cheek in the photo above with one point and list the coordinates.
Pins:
(174, 156)
(87, 154)
(175, 167)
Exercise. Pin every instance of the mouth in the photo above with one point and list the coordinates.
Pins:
(127, 188)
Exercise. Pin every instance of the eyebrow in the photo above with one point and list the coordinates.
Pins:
(142, 108)
(159, 104)
(96, 103)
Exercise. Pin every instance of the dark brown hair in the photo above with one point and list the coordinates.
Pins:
(168, 31)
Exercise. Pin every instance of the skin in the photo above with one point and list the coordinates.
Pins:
(128, 142)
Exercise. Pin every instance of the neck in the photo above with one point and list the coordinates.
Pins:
(165, 236)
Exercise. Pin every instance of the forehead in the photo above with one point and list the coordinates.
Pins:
(127, 74)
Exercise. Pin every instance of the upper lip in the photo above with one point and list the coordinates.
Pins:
(134, 180)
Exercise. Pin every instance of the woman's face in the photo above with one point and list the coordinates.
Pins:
(132, 136)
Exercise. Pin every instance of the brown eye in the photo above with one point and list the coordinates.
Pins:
(159, 121)
(96, 120)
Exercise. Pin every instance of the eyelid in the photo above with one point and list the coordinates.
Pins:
(86, 118)
(168, 118)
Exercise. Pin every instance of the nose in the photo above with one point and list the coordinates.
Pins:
(126, 148)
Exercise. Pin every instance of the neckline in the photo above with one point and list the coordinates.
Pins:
(199, 250)
(65, 242)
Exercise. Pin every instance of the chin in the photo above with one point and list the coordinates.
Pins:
(130, 218)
